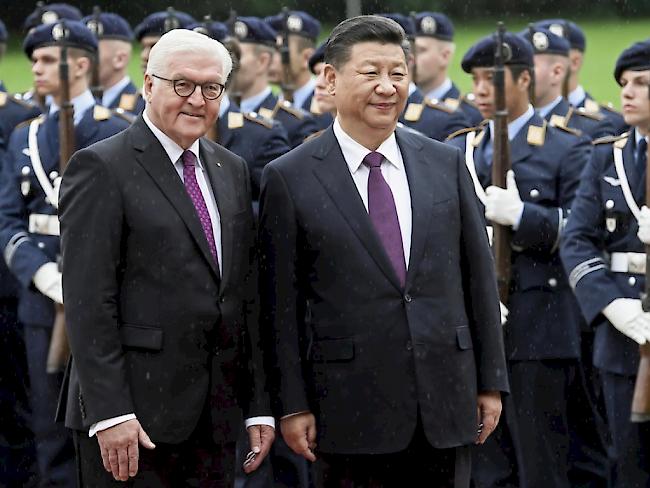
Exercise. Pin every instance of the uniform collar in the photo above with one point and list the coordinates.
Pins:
(354, 153)
(637, 137)
(439, 92)
(250, 104)
(577, 96)
(516, 125)
(546, 109)
(173, 150)
(80, 104)
(110, 94)
(300, 95)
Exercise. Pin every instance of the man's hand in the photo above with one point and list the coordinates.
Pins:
(299, 432)
(260, 438)
(47, 280)
(119, 448)
(489, 411)
(504, 206)
(504, 313)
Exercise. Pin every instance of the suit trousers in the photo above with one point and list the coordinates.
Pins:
(419, 464)
(631, 441)
(197, 462)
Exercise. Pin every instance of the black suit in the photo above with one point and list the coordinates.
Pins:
(367, 357)
(154, 329)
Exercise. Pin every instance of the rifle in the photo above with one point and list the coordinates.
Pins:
(233, 47)
(414, 77)
(501, 163)
(59, 349)
(213, 131)
(288, 85)
(641, 398)
(96, 28)
(531, 87)
(567, 78)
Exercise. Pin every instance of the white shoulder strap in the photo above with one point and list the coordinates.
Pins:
(625, 184)
(35, 157)
(469, 161)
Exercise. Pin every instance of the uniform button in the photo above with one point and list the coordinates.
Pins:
(408, 298)
(41, 245)
(409, 346)
(609, 204)
(552, 282)
(534, 193)
(222, 299)
(54, 175)
(631, 281)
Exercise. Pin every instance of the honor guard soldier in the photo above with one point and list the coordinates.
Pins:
(431, 117)
(255, 138)
(18, 452)
(578, 97)
(51, 13)
(302, 31)
(154, 26)
(258, 43)
(542, 333)
(114, 38)
(551, 71)
(29, 224)
(603, 253)
(434, 51)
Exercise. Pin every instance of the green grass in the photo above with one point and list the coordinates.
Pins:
(605, 41)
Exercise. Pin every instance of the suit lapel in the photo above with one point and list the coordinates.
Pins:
(334, 174)
(225, 198)
(153, 158)
(419, 179)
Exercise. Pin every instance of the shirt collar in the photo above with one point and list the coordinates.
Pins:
(546, 109)
(250, 104)
(110, 94)
(225, 105)
(516, 125)
(412, 88)
(80, 104)
(300, 95)
(173, 150)
(353, 152)
(577, 96)
(637, 137)
(441, 91)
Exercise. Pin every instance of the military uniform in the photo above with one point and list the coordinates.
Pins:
(432, 118)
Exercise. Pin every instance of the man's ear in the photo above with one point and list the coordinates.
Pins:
(329, 72)
(148, 84)
(81, 66)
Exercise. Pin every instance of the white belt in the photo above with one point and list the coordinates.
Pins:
(628, 262)
(47, 225)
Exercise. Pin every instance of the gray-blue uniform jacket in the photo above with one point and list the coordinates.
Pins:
(432, 118)
(129, 99)
(544, 318)
(298, 123)
(28, 222)
(599, 235)
(594, 125)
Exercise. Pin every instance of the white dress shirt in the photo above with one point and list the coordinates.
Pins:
(110, 94)
(393, 171)
(174, 151)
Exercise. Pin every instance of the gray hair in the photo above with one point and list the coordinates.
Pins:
(180, 41)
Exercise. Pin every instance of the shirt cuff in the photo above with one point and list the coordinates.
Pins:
(108, 423)
(270, 421)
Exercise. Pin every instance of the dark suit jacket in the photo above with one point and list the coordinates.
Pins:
(153, 328)
(348, 342)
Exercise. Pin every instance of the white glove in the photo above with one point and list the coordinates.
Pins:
(629, 318)
(644, 225)
(47, 280)
(504, 206)
(504, 313)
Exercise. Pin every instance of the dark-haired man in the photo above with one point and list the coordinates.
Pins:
(377, 362)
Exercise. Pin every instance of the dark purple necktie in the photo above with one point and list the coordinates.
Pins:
(381, 207)
(194, 191)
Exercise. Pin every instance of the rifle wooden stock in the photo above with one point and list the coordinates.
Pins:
(500, 167)
(96, 84)
(641, 398)
(59, 350)
(288, 84)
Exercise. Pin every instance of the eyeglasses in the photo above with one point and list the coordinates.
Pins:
(184, 88)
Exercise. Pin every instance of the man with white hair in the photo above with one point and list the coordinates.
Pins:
(159, 281)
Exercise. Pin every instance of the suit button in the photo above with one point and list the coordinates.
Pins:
(408, 298)
(409, 346)
(631, 281)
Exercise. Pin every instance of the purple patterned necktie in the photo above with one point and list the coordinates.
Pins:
(193, 190)
(381, 207)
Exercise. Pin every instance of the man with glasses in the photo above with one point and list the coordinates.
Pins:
(162, 335)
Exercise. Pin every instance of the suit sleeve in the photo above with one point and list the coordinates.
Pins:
(279, 293)
(91, 215)
(541, 226)
(479, 284)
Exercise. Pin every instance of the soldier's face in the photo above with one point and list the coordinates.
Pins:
(550, 71)
(146, 43)
(634, 98)
(432, 57)
(45, 68)
(184, 119)
(253, 64)
(275, 69)
(370, 90)
(483, 89)
(323, 98)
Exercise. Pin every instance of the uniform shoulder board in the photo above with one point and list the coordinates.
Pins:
(413, 112)
(288, 107)
(584, 112)
(101, 113)
(123, 114)
(25, 123)
(258, 119)
(460, 132)
(536, 134)
(452, 103)
(3, 98)
(15, 98)
(611, 139)
(438, 105)
(267, 113)
(314, 135)
(128, 101)
(568, 130)
(591, 105)
(610, 108)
